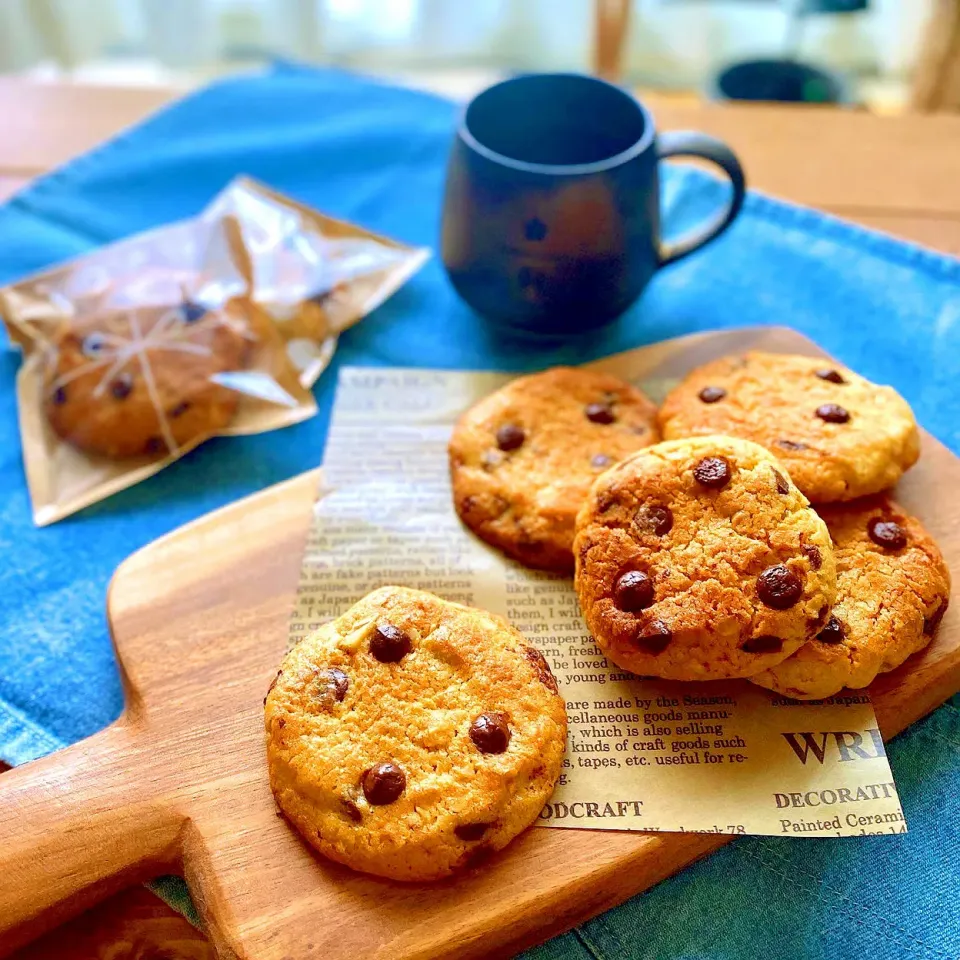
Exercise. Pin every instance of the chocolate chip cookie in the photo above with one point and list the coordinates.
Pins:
(699, 559)
(523, 458)
(839, 436)
(892, 591)
(412, 737)
(141, 382)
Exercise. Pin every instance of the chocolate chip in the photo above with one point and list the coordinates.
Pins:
(352, 810)
(654, 518)
(654, 638)
(783, 484)
(791, 445)
(601, 460)
(833, 376)
(931, 623)
(60, 396)
(92, 344)
(539, 664)
(833, 413)
(490, 733)
(763, 644)
(633, 591)
(599, 413)
(389, 644)
(471, 831)
(510, 437)
(887, 534)
(815, 623)
(333, 685)
(122, 386)
(713, 472)
(281, 723)
(712, 394)
(273, 683)
(383, 784)
(154, 445)
(179, 410)
(192, 312)
(813, 555)
(833, 631)
(779, 588)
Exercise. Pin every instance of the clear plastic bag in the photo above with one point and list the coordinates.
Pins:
(140, 351)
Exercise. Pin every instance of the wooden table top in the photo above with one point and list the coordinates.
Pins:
(895, 174)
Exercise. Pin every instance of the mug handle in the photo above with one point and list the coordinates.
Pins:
(690, 143)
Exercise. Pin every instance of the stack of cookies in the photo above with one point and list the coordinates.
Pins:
(412, 737)
(695, 550)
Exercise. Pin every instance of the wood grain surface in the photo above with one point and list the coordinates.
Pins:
(936, 82)
(133, 925)
(200, 622)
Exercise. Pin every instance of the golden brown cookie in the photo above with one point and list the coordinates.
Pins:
(699, 559)
(838, 435)
(322, 315)
(411, 736)
(892, 591)
(140, 382)
(523, 458)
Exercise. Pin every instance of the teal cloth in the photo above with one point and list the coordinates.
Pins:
(376, 155)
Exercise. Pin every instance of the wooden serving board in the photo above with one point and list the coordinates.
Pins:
(179, 783)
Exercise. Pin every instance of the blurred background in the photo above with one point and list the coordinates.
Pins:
(885, 55)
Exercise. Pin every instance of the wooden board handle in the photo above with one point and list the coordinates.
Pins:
(257, 889)
(75, 827)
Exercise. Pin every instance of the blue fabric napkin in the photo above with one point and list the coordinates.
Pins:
(375, 155)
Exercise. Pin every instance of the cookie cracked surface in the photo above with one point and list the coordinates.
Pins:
(699, 559)
(411, 737)
(839, 436)
(523, 458)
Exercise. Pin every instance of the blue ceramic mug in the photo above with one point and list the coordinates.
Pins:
(551, 218)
